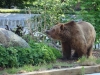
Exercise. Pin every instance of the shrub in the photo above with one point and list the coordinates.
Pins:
(37, 54)
(8, 57)
(43, 53)
(24, 56)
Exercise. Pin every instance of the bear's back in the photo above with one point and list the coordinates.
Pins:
(86, 27)
(88, 30)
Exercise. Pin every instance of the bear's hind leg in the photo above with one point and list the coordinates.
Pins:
(89, 51)
(75, 55)
(82, 52)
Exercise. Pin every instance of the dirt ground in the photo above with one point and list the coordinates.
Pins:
(95, 53)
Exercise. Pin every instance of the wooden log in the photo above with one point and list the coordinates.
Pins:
(67, 71)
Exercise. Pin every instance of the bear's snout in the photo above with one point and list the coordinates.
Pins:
(47, 32)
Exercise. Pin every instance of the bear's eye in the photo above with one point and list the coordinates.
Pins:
(65, 28)
(53, 30)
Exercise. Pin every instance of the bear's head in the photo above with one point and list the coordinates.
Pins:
(61, 31)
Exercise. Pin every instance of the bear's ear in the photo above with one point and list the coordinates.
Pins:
(62, 27)
(71, 23)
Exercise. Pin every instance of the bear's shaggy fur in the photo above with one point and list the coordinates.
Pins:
(79, 36)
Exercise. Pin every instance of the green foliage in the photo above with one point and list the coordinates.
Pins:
(8, 57)
(3, 56)
(98, 61)
(43, 53)
(83, 70)
(82, 59)
(38, 53)
(18, 3)
(25, 56)
(52, 11)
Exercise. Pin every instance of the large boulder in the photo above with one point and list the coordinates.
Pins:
(8, 38)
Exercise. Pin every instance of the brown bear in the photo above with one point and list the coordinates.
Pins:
(79, 36)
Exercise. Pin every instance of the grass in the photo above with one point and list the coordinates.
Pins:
(98, 61)
(30, 68)
(84, 61)
(83, 70)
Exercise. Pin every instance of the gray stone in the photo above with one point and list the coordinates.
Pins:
(8, 38)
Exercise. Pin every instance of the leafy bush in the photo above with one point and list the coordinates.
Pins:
(24, 56)
(8, 57)
(37, 54)
(43, 53)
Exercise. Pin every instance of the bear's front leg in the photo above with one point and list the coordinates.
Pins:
(66, 50)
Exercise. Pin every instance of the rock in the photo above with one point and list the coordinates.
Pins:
(56, 67)
(22, 71)
(88, 63)
(5, 73)
(8, 38)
